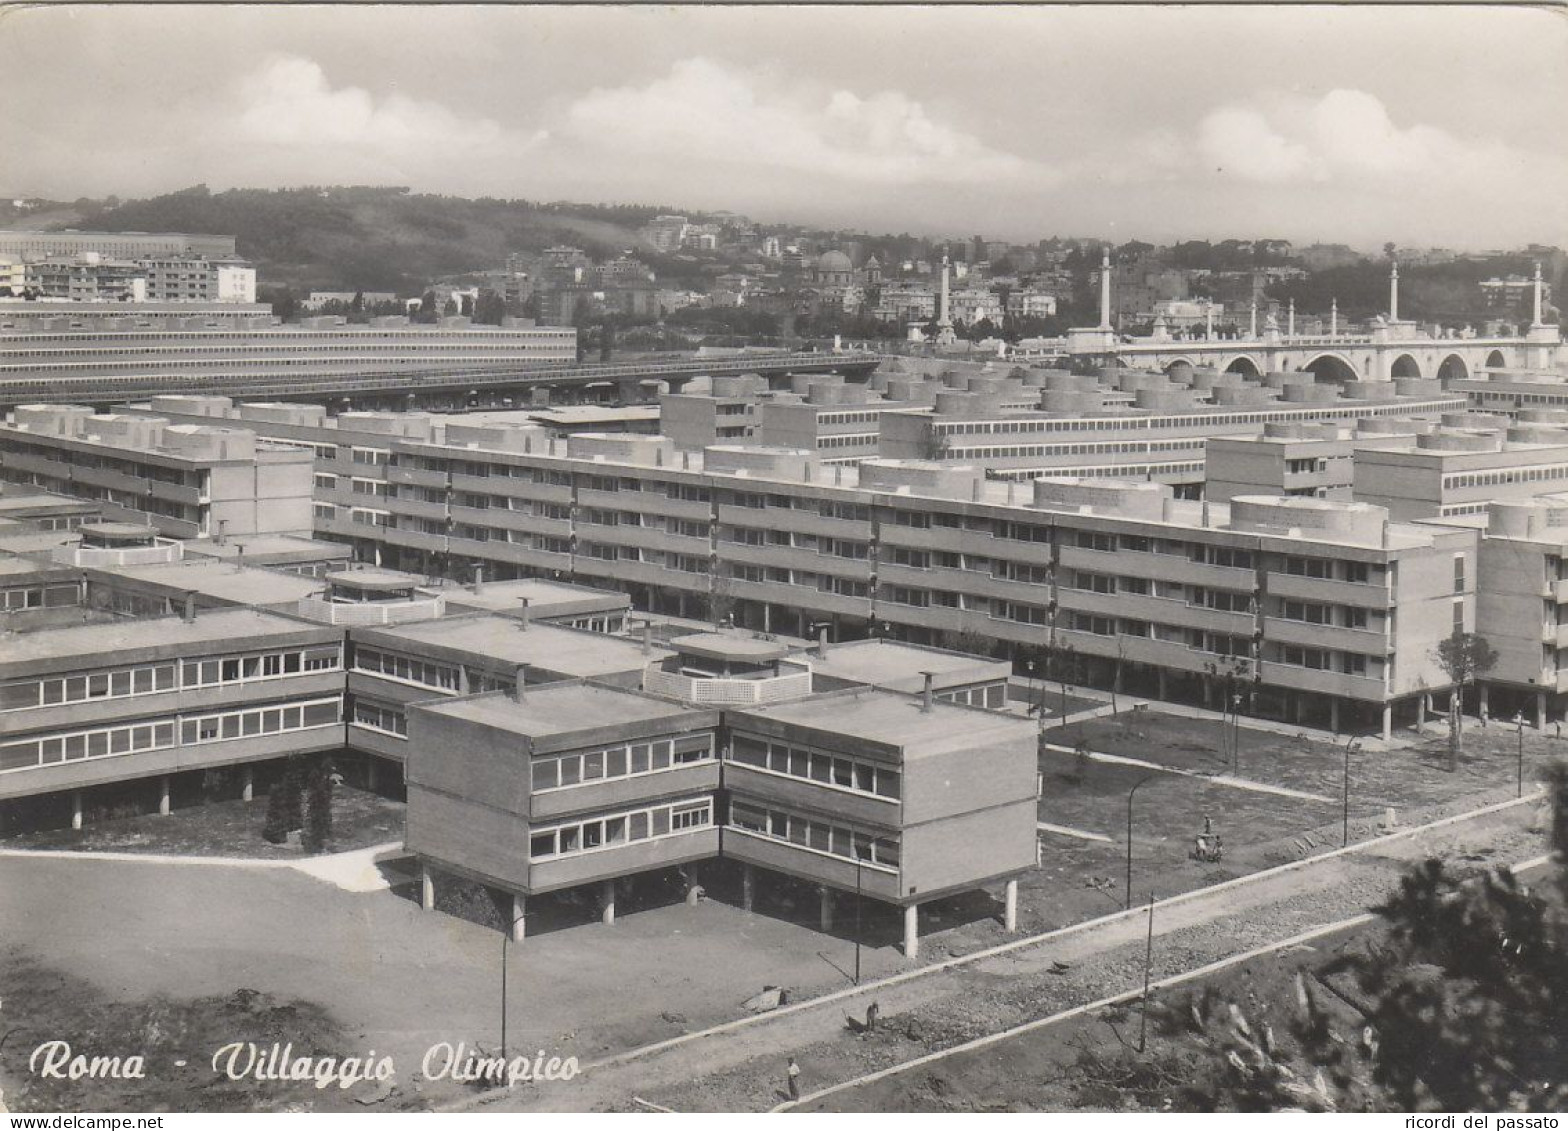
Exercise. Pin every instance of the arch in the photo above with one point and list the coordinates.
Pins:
(1496, 360)
(1331, 368)
(1405, 366)
(1188, 362)
(1453, 369)
(1244, 365)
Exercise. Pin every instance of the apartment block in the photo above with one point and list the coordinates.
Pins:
(1474, 460)
(727, 752)
(85, 710)
(188, 480)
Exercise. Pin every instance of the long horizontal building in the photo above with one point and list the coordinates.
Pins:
(1331, 607)
(110, 704)
(97, 359)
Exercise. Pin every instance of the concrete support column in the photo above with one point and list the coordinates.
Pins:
(427, 887)
(607, 904)
(912, 931)
(1160, 675)
(1333, 715)
(247, 784)
(1010, 906)
(76, 809)
(748, 887)
(1421, 709)
(519, 918)
(693, 888)
(1540, 710)
(1388, 721)
(164, 806)
(1485, 706)
(825, 907)
(370, 773)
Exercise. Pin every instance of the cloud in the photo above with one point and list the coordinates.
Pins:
(289, 104)
(1346, 136)
(1242, 142)
(705, 111)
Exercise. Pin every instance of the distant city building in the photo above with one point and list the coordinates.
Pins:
(118, 245)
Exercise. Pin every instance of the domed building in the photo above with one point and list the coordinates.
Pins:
(833, 269)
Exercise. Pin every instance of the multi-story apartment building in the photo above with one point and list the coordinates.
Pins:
(198, 279)
(60, 316)
(1288, 459)
(95, 358)
(1163, 438)
(726, 415)
(88, 279)
(1464, 467)
(121, 245)
(188, 480)
(86, 712)
(396, 666)
(571, 784)
(1308, 592)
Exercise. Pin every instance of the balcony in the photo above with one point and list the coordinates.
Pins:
(731, 692)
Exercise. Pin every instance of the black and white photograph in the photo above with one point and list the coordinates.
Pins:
(780, 558)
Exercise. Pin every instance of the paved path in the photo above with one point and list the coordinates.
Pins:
(1218, 779)
(752, 1050)
(376, 868)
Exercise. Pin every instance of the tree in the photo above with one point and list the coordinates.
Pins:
(1458, 1006)
(1463, 657)
(293, 787)
(275, 830)
(317, 834)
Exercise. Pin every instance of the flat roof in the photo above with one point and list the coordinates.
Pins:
(728, 646)
(43, 499)
(233, 627)
(901, 667)
(893, 719)
(571, 651)
(545, 598)
(560, 708)
(224, 580)
(25, 565)
(247, 545)
(374, 578)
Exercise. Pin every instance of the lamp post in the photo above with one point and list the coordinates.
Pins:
(506, 940)
(860, 858)
(1351, 746)
(1519, 726)
(1130, 793)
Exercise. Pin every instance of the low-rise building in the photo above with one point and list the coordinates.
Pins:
(87, 712)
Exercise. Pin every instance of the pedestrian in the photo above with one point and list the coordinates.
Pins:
(792, 1075)
(873, 1011)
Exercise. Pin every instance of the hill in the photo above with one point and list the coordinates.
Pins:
(371, 238)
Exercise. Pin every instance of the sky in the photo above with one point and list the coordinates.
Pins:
(1421, 125)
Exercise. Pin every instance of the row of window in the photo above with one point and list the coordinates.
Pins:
(40, 597)
(813, 833)
(148, 679)
(812, 765)
(1126, 423)
(426, 673)
(158, 734)
(581, 767)
(622, 828)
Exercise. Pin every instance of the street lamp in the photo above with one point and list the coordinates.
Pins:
(1519, 726)
(506, 939)
(1130, 793)
(861, 854)
(1351, 746)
